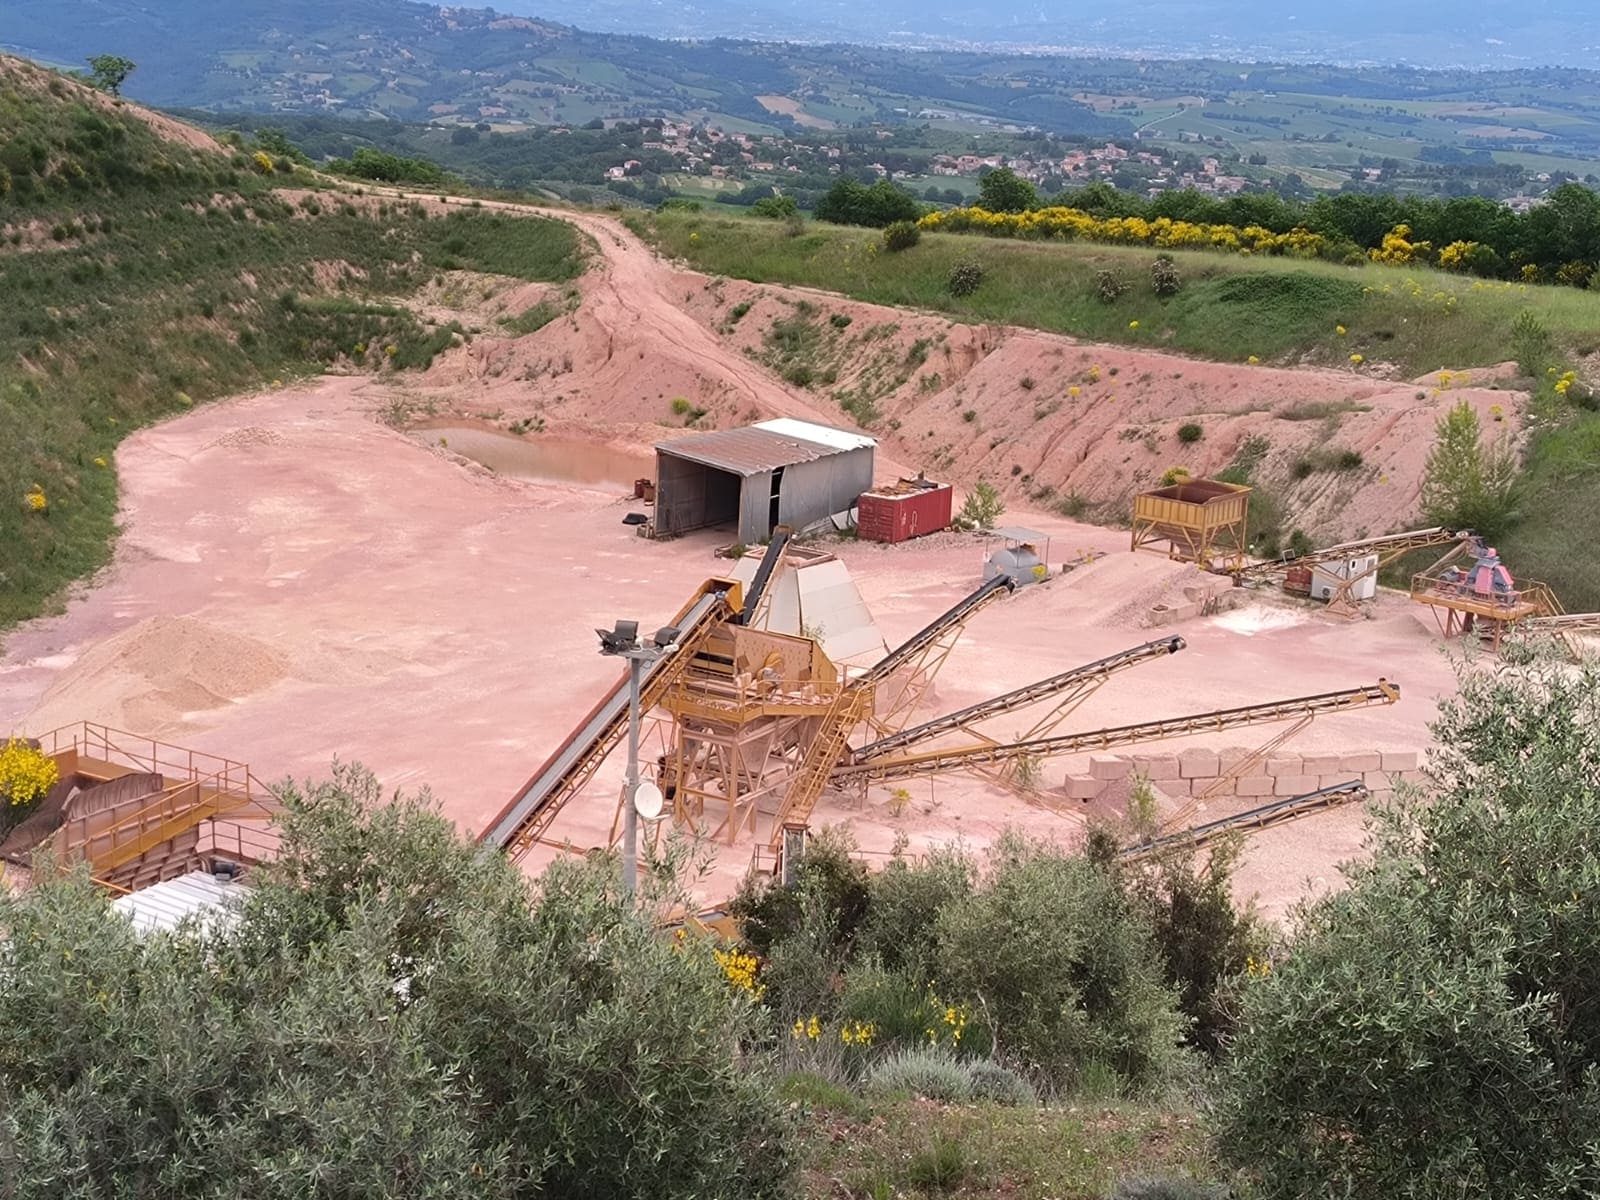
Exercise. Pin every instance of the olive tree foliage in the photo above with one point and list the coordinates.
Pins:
(1434, 1030)
(394, 1013)
(1067, 973)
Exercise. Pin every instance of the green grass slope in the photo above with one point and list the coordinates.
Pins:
(142, 276)
(1230, 308)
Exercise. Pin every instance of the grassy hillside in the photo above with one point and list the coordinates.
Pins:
(1229, 308)
(143, 276)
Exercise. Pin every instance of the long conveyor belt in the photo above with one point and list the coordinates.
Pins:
(882, 769)
(1276, 813)
(919, 641)
(1092, 674)
(524, 819)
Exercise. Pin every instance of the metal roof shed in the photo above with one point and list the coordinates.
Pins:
(779, 472)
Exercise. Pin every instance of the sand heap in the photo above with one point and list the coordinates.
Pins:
(163, 674)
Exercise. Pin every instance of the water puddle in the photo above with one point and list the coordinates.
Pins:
(542, 459)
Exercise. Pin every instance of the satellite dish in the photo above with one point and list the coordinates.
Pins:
(647, 801)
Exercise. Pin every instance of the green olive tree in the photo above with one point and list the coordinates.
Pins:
(393, 1013)
(1433, 1030)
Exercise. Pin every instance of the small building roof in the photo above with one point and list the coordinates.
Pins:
(764, 447)
(810, 431)
(164, 905)
(1017, 533)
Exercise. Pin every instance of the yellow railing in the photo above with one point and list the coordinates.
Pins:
(118, 746)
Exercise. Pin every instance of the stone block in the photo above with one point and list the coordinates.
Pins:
(1293, 785)
(1199, 784)
(1377, 781)
(1083, 787)
(1227, 760)
(1320, 764)
(1290, 765)
(1361, 763)
(1255, 785)
(1162, 767)
(1109, 767)
(1195, 764)
(1399, 760)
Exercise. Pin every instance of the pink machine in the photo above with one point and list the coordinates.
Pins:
(1487, 578)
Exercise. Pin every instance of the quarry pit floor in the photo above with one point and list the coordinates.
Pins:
(296, 582)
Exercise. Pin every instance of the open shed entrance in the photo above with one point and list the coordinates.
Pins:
(692, 495)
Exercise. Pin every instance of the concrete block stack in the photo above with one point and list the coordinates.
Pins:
(1193, 772)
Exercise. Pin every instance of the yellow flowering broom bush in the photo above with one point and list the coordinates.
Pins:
(1073, 224)
(26, 773)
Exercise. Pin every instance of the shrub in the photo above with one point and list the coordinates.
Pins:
(1068, 974)
(901, 235)
(1431, 1031)
(999, 1084)
(1109, 286)
(26, 775)
(1174, 475)
(966, 277)
(1204, 939)
(680, 406)
(982, 507)
(775, 207)
(905, 903)
(849, 202)
(1190, 432)
(1531, 344)
(738, 311)
(941, 1167)
(839, 320)
(1165, 280)
(930, 1074)
(392, 1013)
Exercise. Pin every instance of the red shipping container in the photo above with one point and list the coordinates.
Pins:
(908, 510)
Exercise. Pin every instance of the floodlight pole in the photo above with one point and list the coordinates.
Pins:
(630, 814)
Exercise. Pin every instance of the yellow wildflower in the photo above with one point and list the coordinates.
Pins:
(1357, 359)
(1252, 360)
(1074, 390)
(99, 462)
(740, 970)
(36, 500)
(1133, 324)
(26, 773)
(1340, 330)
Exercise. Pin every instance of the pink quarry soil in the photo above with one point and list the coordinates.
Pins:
(298, 582)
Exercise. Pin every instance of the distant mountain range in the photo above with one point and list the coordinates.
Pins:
(418, 62)
(1471, 33)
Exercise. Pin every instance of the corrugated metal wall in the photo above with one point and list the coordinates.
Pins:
(814, 490)
(692, 496)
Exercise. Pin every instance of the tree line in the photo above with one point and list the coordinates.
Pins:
(1557, 240)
